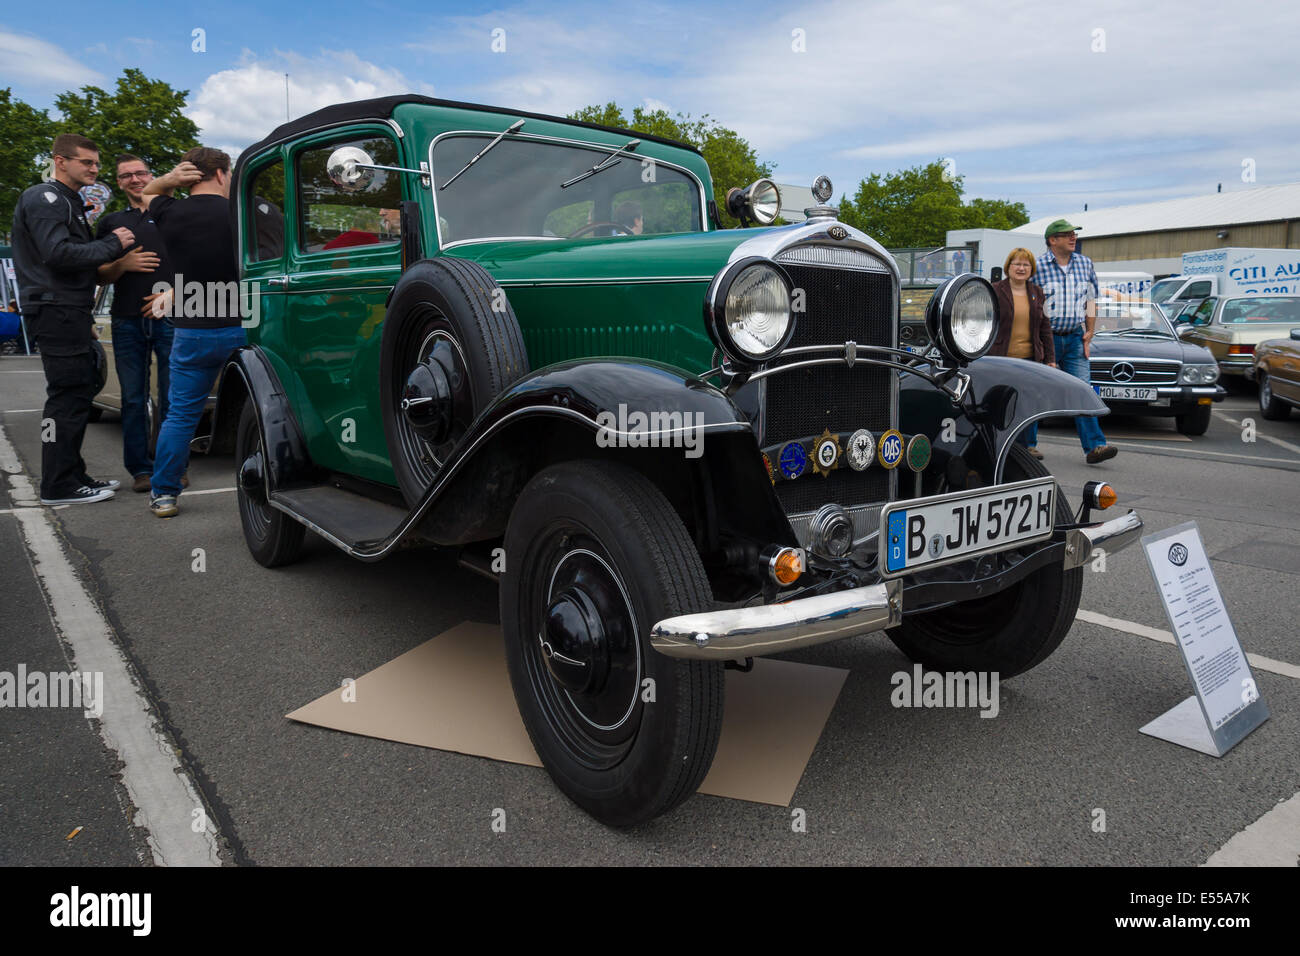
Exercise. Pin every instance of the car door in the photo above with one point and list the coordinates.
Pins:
(1284, 366)
(1200, 331)
(343, 260)
(264, 214)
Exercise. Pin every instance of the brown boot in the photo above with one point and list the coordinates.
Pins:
(1101, 453)
(140, 483)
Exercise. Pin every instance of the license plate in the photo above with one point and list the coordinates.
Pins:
(1127, 393)
(927, 532)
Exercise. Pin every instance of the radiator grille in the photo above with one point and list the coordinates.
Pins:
(848, 295)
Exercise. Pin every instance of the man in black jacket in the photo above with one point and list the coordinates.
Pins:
(55, 259)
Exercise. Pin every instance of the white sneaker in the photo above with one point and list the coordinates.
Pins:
(82, 495)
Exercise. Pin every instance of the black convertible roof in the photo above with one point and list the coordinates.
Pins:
(383, 107)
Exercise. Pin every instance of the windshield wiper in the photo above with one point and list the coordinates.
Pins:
(501, 135)
(1135, 331)
(611, 160)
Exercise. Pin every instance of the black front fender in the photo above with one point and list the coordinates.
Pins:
(684, 434)
(1005, 396)
(250, 376)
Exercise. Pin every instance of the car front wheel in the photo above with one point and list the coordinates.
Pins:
(1008, 632)
(1270, 406)
(1194, 422)
(595, 555)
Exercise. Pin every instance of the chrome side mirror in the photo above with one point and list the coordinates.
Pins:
(348, 169)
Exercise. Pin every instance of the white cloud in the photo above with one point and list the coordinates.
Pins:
(29, 60)
(243, 104)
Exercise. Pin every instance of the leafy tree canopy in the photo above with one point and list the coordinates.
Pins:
(917, 206)
(28, 133)
(142, 116)
(732, 161)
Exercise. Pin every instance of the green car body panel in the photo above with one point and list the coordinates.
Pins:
(609, 296)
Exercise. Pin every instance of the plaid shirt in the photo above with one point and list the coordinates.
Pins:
(1066, 292)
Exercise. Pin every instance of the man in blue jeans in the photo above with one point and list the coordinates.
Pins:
(203, 302)
(1069, 284)
(137, 337)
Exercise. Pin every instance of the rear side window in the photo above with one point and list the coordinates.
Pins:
(265, 215)
(1197, 290)
(330, 218)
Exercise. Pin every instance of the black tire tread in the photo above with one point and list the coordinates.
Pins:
(1195, 422)
(1276, 410)
(681, 579)
(912, 643)
(285, 537)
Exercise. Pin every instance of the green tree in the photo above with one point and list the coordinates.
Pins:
(24, 148)
(918, 206)
(142, 116)
(995, 214)
(732, 161)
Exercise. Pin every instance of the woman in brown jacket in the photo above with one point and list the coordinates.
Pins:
(1023, 329)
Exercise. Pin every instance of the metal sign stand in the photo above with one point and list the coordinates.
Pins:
(1227, 705)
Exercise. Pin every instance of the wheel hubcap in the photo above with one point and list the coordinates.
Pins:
(573, 644)
(587, 657)
(250, 474)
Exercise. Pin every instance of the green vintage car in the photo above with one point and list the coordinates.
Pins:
(677, 447)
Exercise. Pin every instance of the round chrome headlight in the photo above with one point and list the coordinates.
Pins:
(962, 317)
(748, 312)
(1192, 374)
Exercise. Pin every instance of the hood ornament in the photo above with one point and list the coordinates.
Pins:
(822, 191)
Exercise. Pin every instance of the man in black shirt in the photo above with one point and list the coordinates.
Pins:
(205, 306)
(55, 259)
(136, 336)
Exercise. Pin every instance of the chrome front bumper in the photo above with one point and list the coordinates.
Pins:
(772, 628)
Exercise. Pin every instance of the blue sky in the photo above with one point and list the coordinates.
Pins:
(1052, 104)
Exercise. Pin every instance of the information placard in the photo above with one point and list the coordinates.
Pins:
(1226, 695)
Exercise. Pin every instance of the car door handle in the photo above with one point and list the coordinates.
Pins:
(278, 281)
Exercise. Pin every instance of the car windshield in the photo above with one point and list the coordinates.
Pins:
(1250, 311)
(1137, 320)
(1163, 289)
(515, 191)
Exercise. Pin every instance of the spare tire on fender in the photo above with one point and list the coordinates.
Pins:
(450, 345)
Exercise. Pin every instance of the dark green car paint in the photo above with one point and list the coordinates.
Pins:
(634, 295)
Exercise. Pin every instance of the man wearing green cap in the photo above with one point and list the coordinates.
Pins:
(1069, 284)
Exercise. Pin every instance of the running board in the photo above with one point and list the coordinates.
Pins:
(345, 519)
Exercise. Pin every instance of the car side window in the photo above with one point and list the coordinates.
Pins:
(1196, 290)
(1204, 311)
(265, 214)
(329, 218)
(661, 207)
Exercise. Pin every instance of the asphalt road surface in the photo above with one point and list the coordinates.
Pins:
(217, 657)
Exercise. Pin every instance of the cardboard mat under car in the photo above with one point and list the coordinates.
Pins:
(453, 693)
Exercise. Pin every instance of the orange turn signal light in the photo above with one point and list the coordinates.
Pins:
(1106, 497)
(1241, 350)
(786, 566)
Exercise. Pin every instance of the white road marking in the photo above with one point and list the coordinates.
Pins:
(22, 371)
(11, 511)
(162, 792)
(1165, 637)
(1272, 840)
(20, 411)
(206, 491)
(1119, 443)
(1258, 434)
